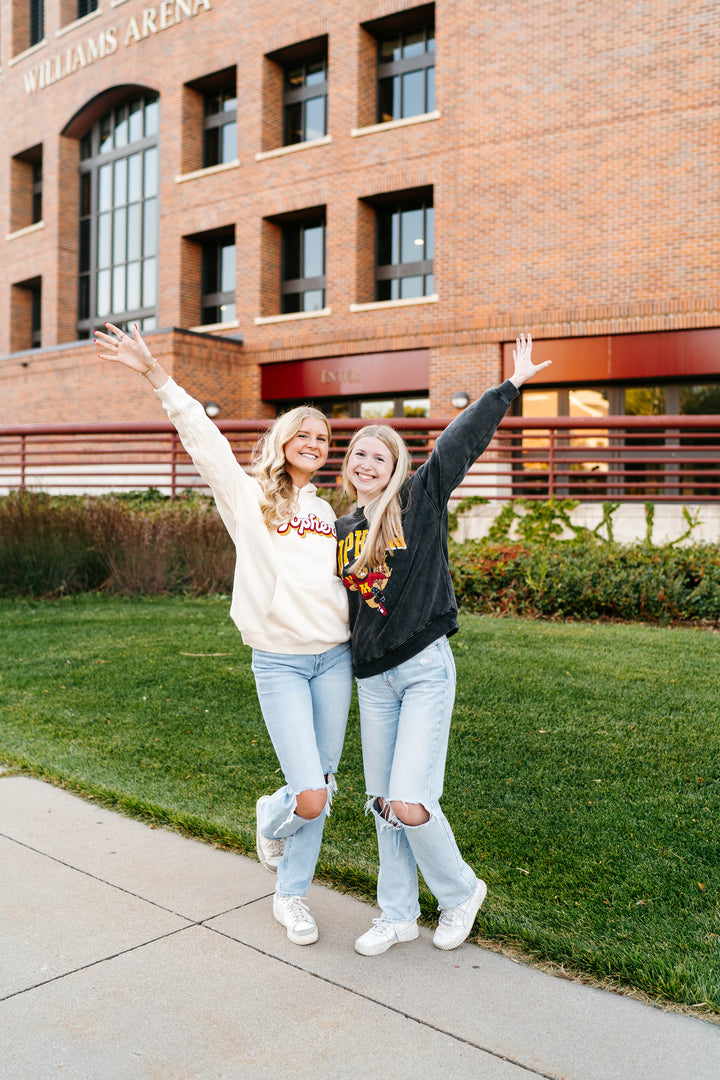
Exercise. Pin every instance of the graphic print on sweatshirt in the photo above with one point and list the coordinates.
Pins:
(369, 583)
(307, 524)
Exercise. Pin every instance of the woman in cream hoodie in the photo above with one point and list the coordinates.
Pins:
(290, 607)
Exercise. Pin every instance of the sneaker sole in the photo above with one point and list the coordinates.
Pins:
(377, 950)
(454, 943)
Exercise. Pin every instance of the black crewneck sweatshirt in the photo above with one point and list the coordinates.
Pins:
(401, 607)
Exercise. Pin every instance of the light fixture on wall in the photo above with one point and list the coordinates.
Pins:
(460, 399)
(212, 409)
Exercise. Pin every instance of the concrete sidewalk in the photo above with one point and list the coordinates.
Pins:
(131, 953)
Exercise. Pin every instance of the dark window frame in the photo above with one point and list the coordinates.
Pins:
(94, 155)
(37, 21)
(389, 272)
(390, 70)
(84, 7)
(219, 112)
(214, 299)
(299, 285)
(294, 96)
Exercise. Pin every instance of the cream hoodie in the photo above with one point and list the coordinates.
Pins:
(287, 597)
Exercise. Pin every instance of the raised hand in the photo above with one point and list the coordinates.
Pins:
(122, 349)
(524, 367)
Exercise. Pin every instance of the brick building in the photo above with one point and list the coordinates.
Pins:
(360, 204)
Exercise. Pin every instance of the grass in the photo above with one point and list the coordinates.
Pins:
(583, 778)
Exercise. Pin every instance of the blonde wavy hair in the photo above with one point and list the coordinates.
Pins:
(269, 467)
(384, 512)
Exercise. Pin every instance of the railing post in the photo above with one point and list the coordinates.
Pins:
(23, 461)
(551, 463)
(173, 465)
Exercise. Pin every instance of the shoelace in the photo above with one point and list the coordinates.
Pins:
(449, 916)
(299, 910)
(380, 926)
(274, 847)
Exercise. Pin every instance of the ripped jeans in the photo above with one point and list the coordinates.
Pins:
(305, 701)
(405, 718)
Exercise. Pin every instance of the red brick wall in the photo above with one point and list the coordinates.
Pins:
(573, 168)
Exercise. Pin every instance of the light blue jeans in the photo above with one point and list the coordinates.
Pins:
(405, 718)
(305, 701)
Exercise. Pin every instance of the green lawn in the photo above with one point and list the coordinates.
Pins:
(583, 779)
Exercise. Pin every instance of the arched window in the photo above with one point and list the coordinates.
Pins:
(119, 180)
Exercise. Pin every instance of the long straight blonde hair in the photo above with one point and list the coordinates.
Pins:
(269, 466)
(384, 512)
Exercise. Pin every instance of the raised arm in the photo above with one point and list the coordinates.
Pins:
(524, 367)
(132, 352)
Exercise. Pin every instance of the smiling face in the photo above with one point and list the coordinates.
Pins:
(369, 468)
(307, 451)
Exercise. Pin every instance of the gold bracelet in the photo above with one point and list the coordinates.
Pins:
(154, 364)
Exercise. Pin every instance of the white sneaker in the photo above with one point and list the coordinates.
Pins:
(456, 923)
(293, 913)
(270, 852)
(383, 934)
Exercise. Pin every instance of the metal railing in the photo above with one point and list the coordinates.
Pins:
(649, 458)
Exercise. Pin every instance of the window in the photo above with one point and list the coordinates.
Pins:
(220, 126)
(37, 21)
(305, 101)
(26, 321)
(84, 7)
(406, 74)
(26, 183)
(119, 179)
(405, 250)
(303, 265)
(218, 281)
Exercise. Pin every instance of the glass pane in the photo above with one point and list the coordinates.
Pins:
(411, 286)
(211, 147)
(120, 190)
(377, 410)
(314, 118)
(135, 120)
(86, 146)
(133, 286)
(229, 141)
(105, 187)
(388, 100)
(431, 39)
(413, 93)
(149, 323)
(291, 303)
(314, 252)
(390, 49)
(118, 287)
(429, 232)
(413, 240)
(229, 101)
(293, 124)
(227, 313)
(119, 234)
(416, 407)
(294, 78)
(84, 245)
(413, 44)
(645, 401)
(151, 172)
(85, 189)
(700, 400)
(291, 254)
(104, 255)
(152, 115)
(84, 298)
(106, 133)
(227, 268)
(149, 285)
(150, 227)
(539, 403)
(134, 235)
(121, 126)
(210, 269)
(429, 284)
(315, 73)
(313, 300)
(103, 293)
(134, 178)
(588, 403)
(430, 98)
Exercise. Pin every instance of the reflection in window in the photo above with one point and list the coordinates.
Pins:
(220, 127)
(405, 251)
(37, 21)
(303, 266)
(305, 101)
(218, 282)
(406, 74)
(119, 180)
